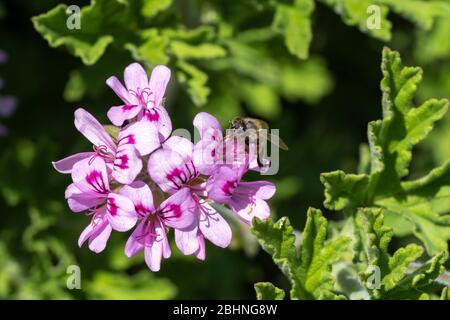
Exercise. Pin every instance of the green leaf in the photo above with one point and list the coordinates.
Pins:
(195, 81)
(185, 51)
(151, 8)
(445, 295)
(356, 13)
(310, 272)
(294, 22)
(267, 291)
(433, 44)
(141, 286)
(278, 239)
(361, 12)
(262, 100)
(98, 22)
(314, 76)
(422, 202)
(421, 12)
(398, 273)
(151, 49)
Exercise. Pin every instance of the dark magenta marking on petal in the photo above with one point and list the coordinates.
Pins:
(128, 107)
(112, 206)
(228, 187)
(95, 180)
(141, 209)
(129, 139)
(151, 115)
(175, 209)
(122, 162)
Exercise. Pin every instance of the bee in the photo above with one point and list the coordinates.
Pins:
(255, 130)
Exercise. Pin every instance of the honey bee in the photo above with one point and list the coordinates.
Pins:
(260, 131)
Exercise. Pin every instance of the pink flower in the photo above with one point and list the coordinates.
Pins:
(142, 97)
(134, 140)
(246, 199)
(97, 232)
(174, 171)
(90, 190)
(150, 235)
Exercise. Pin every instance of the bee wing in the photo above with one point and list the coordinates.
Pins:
(276, 140)
(258, 123)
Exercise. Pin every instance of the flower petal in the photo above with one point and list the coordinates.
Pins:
(201, 251)
(90, 175)
(120, 212)
(127, 164)
(65, 165)
(158, 249)
(158, 82)
(80, 201)
(135, 77)
(204, 121)
(180, 145)
(260, 189)
(206, 156)
(141, 196)
(96, 229)
(186, 240)
(133, 245)
(142, 135)
(213, 226)
(167, 169)
(220, 186)
(158, 117)
(93, 130)
(99, 239)
(247, 210)
(120, 90)
(118, 115)
(178, 211)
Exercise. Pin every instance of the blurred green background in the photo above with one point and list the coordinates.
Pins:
(321, 103)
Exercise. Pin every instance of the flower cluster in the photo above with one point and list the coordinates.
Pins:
(149, 179)
(7, 103)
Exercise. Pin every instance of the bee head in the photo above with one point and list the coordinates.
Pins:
(237, 123)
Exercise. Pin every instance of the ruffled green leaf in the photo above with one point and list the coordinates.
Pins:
(195, 82)
(310, 271)
(362, 13)
(267, 291)
(141, 286)
(294, 22)
(423, 202)
(394, 275)
(151, 8)
(98, 22)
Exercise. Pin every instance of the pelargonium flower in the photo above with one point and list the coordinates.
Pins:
(90, 190)
(187, 178)
(172, 168)
(150, 235)
(246, 199)
(135, 140)
(142, 97)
